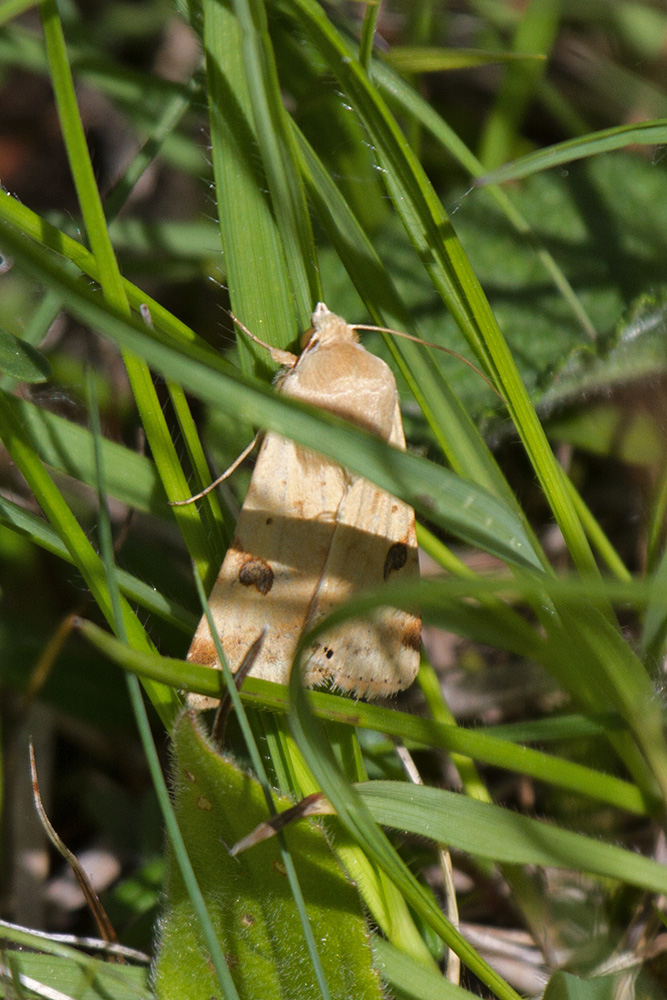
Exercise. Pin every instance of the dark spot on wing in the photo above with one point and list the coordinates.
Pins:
(396, 558)
(256, 573)
(412, 634)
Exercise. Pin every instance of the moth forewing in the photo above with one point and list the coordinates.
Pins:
(310, 534)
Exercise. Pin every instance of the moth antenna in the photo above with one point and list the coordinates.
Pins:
(437, 347)
(277, 354)
(225, 475)
(225, 706)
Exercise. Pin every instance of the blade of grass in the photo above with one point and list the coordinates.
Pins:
(444, 498)
(276, 144)
(81, 551)
(447, 265)
(38, 531)
(153, 419)
(485, 747)
(502, 835)
(256, 269)
(648, 133)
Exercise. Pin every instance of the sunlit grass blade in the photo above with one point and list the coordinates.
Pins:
(447, 266)
(155, 426)
(257, 273)
(276, 144)
(490, 831)
(484, 746)
(464, 508)
(649, 133)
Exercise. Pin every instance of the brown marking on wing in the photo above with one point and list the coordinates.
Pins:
(412, 634)
(202, 650)
(395, 559)
(256, 573)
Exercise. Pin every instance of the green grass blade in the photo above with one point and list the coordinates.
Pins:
(447, 265)
(68, 447)
(536, 31)
(80, 549)
(12, 8)
(256, 269)
(485, 747)
(276, 143)
(38, 531)
(153, 419)
(411, 978)
(20, 360)
(489, 831)
(431, 59)
(648, 133)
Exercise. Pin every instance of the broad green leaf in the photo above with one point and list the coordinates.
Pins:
(410, 977)
(79, 977)
(248, 896)
(566, 986)
(21, 360)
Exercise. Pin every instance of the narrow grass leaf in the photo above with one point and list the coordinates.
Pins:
(444, 498)
(68, 447)
(430, 59)
(276, 144)
(484, 746)
(40, 533)
(648, 133)
(256, 269)
(411, 978)
(487, 830)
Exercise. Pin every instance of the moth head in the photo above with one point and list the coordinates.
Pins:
(327, 328)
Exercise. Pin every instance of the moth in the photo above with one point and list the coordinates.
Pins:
(310, 534)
